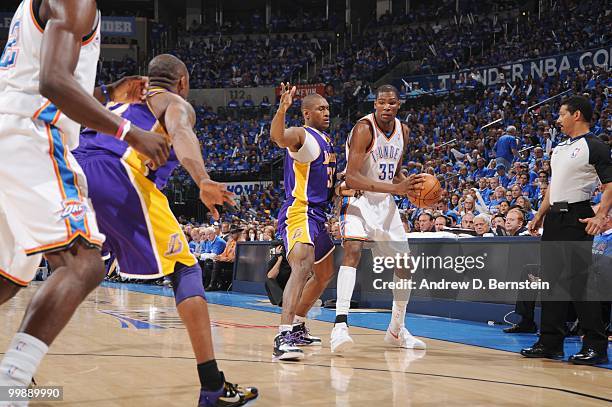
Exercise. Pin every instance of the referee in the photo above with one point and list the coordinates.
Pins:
(569, 226)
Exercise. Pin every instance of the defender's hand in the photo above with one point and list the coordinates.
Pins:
(214, 193)
(131, 89)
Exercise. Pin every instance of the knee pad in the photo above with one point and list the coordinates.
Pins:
(187, 282)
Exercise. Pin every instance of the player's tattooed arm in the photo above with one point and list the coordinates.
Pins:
(293, 137)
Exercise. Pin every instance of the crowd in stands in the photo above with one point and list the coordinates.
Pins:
(480, 39)
(112, 70)
(442, 10)
(482, 172)
(223, 62)
(284, 21)
(440, 42)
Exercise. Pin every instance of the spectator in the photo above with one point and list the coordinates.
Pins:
(467, 221)
(506, 148)
(426, 222)
(482, 225)
(498, 224)
(210, 247)
(441, 222)
(515, 223)
(224, 263)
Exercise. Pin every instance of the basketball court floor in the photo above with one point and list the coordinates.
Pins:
(127, 347)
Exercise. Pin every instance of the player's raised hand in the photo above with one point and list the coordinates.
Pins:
(131, 89)
(287, 94)
(152, 145)
(412, 184)
(214, 193)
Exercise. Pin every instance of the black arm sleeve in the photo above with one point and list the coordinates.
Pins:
(599, 157)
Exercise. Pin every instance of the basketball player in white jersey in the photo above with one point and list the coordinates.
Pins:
(374, 151)
(47, 76)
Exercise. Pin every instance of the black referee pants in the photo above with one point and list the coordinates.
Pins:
(566, 255)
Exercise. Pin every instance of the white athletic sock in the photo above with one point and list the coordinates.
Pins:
(21, 360)
(298, 319)
(401, 296)
(344, 289)
(284, 328)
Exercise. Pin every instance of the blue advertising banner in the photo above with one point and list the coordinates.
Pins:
(491, 75)
(119, 26)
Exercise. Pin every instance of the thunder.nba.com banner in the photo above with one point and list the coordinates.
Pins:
(111, 26)
(597, 57)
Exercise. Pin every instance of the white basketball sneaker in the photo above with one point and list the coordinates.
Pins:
(340, 339)
(404, 339)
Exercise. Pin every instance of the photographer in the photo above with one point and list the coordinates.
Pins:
(278, 274)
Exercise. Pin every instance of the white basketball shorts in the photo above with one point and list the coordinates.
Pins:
(374, 217)
(44, 204)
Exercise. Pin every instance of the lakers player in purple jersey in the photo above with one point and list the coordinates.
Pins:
(310, 172)
(47, 77)
(135, 216)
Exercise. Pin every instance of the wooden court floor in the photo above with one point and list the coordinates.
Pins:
(111, 355)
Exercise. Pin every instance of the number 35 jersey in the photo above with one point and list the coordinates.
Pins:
(384, 154)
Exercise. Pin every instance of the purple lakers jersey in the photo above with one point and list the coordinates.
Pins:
(141, 115)
(312, 183)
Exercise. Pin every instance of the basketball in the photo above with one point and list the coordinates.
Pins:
(429, 195)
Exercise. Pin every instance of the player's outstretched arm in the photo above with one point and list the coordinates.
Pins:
(293, 137)
(67, 22)
(358, 153)
(179, 120)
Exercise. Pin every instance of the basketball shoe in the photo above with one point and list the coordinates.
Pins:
(404, 339)
(230, 395)
(285, 346)
(303, 336)
(340, 339)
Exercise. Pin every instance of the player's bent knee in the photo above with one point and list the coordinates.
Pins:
(300, 253)
(83, 262)
(187, 282)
